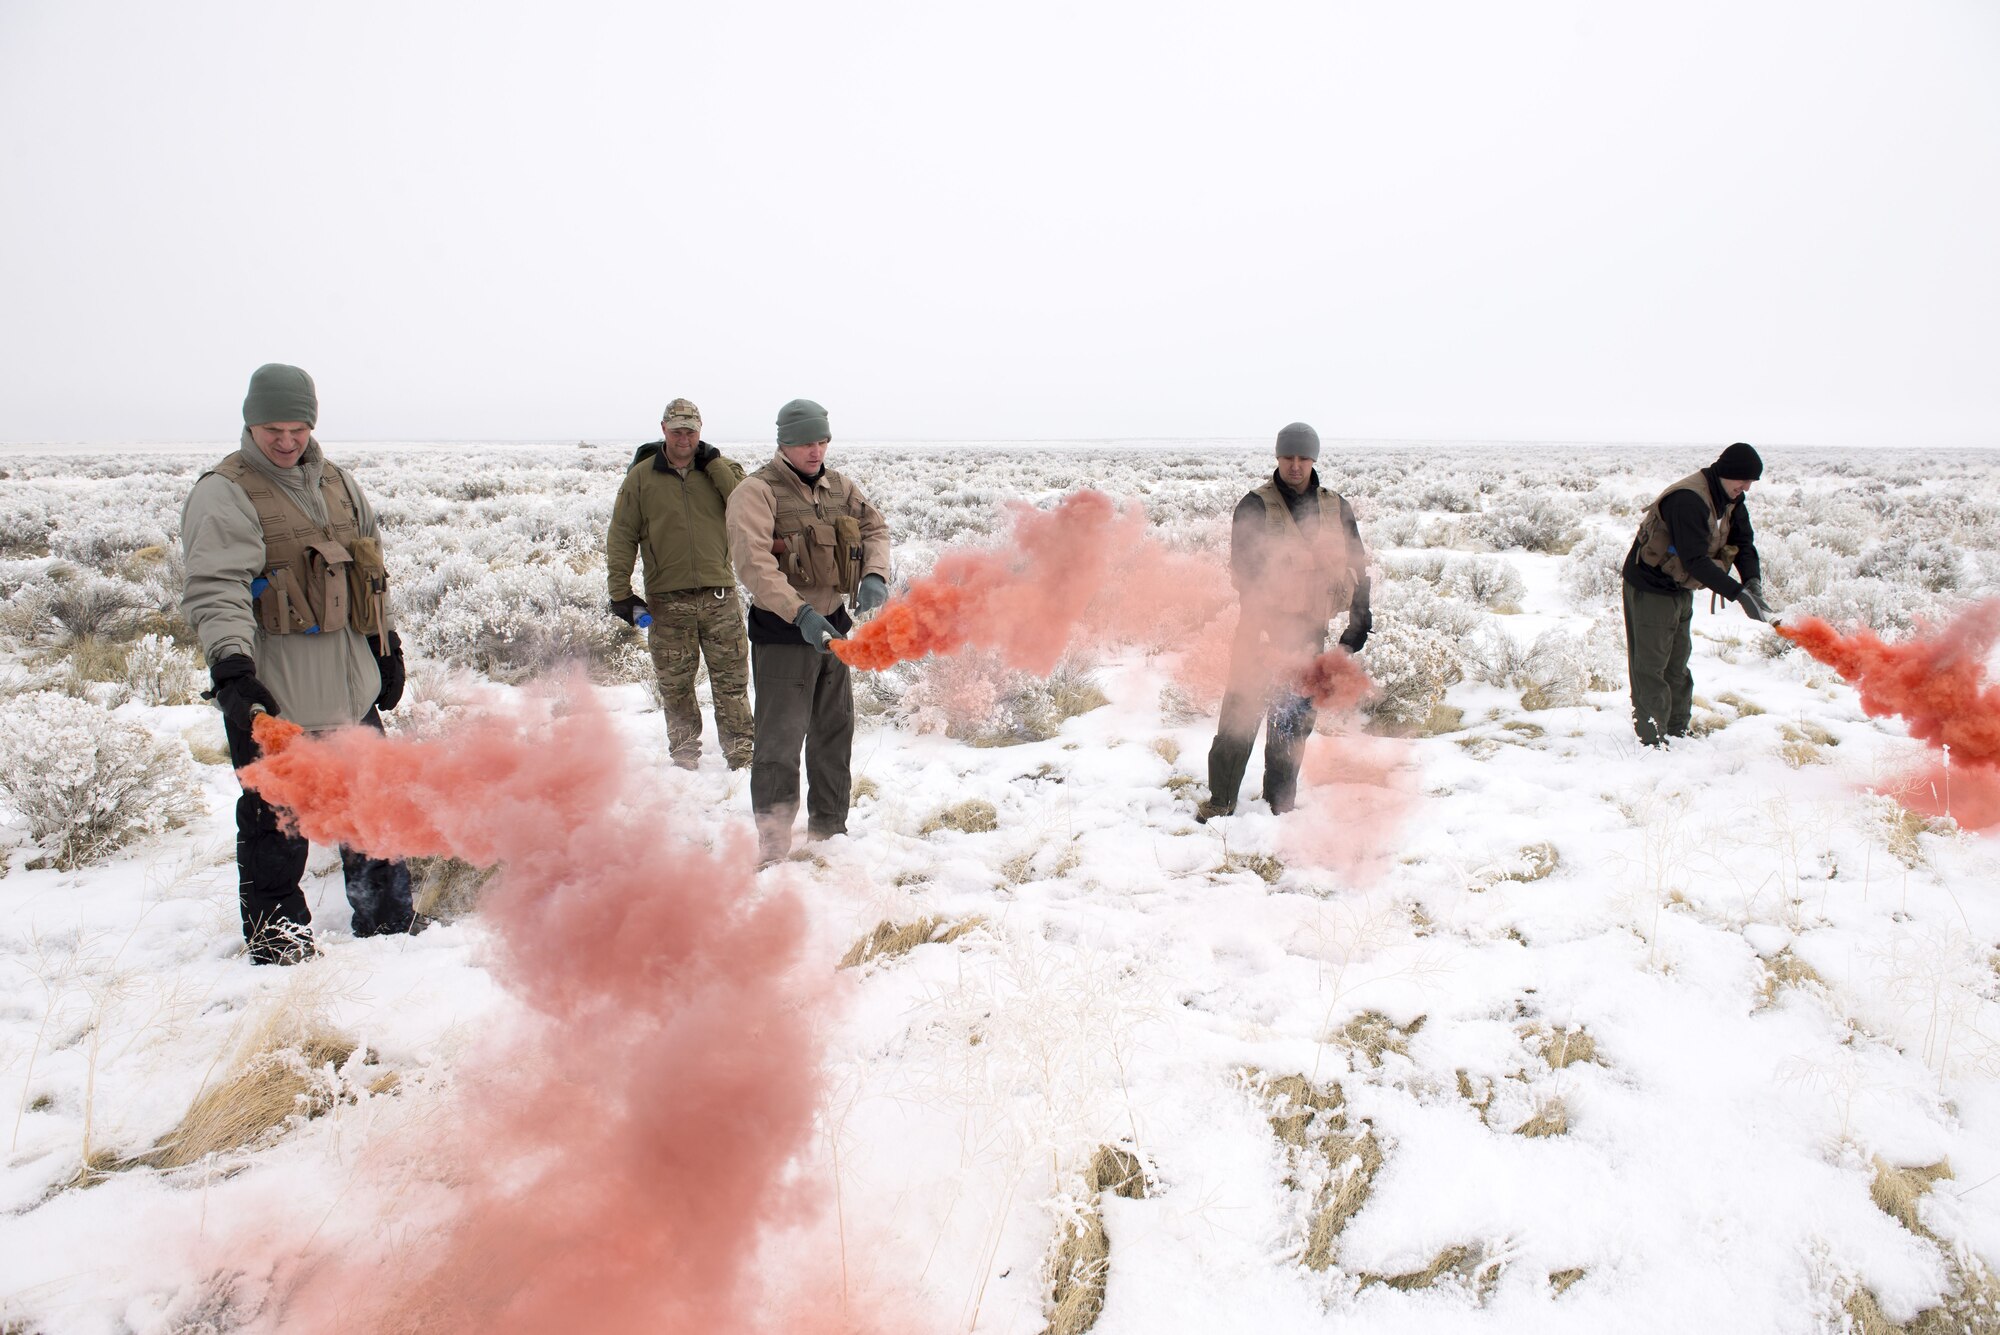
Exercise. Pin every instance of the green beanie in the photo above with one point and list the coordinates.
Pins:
(801, 422)
(280, 393)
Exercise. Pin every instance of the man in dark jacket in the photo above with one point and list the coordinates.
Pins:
(1688, 539)
(671, 507)
(1296, 559)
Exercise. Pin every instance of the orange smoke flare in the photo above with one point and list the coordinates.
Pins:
(1936, 683)
(618, 1152)
(1335, 680)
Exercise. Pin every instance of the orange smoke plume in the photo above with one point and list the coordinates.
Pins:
(1936, 683)
(1336, 681)
(1024, 602)
(619, 1152)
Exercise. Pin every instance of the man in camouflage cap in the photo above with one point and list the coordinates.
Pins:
(672, 507)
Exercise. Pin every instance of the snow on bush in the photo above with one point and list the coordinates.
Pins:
(160, 672)
(1593, 571)
(1412, 666)
(973, 696)
(86, 781)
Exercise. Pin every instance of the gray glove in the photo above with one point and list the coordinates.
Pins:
(1752, 602)
(816, 629)
(870, 594)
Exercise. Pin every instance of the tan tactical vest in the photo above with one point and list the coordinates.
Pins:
(1656, 546)
(1312, 569)
(817, 543)
(316, 580)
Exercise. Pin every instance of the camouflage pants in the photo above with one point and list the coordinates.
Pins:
(688, 626)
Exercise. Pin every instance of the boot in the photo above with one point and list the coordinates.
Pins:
(1227, 759)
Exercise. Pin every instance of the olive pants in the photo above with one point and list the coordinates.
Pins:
(804, 698)
(1659, 637)
(688, 626)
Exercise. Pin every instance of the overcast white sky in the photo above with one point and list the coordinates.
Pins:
(1699, 220)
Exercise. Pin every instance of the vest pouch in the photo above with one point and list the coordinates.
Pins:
(794, 559)
(324, 583)
(367, 588)
(1726, 558)
(847, 551)
(281, 606)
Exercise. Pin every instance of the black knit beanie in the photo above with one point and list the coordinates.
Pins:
(1739, 463)
(280, 393)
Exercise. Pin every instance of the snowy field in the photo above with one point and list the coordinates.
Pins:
(1512, 1027)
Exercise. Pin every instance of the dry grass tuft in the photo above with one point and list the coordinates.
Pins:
(1560, 1047)
(1804, 744)
(1372, 1033)
(1744, 708)
(1530, 731)
(1896, 1191)
(890, 939)
(1972, 1300)
(1785, 969)
(1562, 1280)
(973, 816)
(1479, 1096)
(1266, 867)
(271, 1086)
(864, 787)
(1167, 749)
(1082, 1259)
(204, 751)
(1178, 783)
(1550, 1119)
(446, 888)
(1903, 830)
(1706, 721)
(1311, 1122)
(1459, 1266)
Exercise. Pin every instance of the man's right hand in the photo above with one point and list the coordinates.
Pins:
(238, 691)
(627, 609)
(816, 629)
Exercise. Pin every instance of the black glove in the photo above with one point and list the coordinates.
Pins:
(627, 609)
(238, 691)
(390, 665)
(705, 454)
(816, 629)
(1751, 600)
(870, 594)
(1356, 633)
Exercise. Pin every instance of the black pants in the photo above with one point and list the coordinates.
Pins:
(270, 863)
(803, 698)
(1659, 639)
(1259, 696)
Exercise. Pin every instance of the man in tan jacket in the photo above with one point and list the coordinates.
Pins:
(670, 512)
(803, 539)
(287, 592)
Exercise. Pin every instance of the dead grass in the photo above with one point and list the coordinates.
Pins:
(1462, 1266)
(90, 659)
(1785, 969)
(1371, 1034)
(890, 939)
(1706, 721)
(1560, 1048)
(1903, 831)
(1081, 1262)
(1550, 1119)
(204, 751)
(1480, 1097)
(1804, 744)
(1538, 861)
(973, 816)
(864, 787)
(1311, 1122)
(1562, 1280)
(269, 1088)
(1266, 867)
(1972, 1298)
(1896, 1191)
(446, 888)
(1167, 749)
(1530, 731)
(1744, 708)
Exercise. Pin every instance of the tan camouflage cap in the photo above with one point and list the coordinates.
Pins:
(681, 413)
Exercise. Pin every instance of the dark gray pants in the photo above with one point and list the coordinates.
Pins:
(1259, 695)
(1659, 637)
(803, 698)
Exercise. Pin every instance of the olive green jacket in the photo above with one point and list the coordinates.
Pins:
(320, 681)
(676, 521)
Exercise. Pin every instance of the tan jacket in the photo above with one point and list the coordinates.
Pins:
(1308, 573)
(1655, 545)
(774, 506)
(320, 681)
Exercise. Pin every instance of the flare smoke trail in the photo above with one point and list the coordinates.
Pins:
(1936, 683)
(620, 1154)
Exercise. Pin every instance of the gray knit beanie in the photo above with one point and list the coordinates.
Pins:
(1298, 441)
(801, 422)
(280, 393)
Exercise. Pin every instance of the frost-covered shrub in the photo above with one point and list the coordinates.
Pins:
(1593, 571)
(86, 781)
(1534, 524)
(1412, 666)
(81, 605)
(1450, 495)
(160, 672)
(97, 539)
(1490, 581)
(1416, 603)
(1876, 604)
(1559, 667)
(1796, 568)
(974, 697)
(1903, 559)
(521, 621)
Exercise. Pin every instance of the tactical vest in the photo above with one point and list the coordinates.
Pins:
(1656, 545)
(817, 541)
(1312, 569)
(316, 579)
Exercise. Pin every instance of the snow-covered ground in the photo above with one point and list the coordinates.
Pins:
(1734, 991)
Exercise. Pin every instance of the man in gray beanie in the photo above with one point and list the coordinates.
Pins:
(1688, 539)
(288, 594)
(804, 540)
(1296, 559)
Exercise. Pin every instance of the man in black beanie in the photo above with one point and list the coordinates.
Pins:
(1688, 539)
(1296, 559)
(288, 594)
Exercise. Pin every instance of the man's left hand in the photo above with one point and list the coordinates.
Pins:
(391, 667)
(870, 594)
